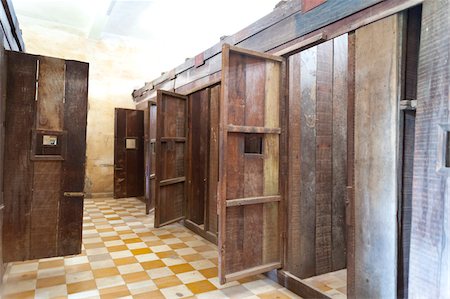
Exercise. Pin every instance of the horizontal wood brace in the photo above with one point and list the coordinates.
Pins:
(250, 129)
(309, 42)
(252, 271)
(73, 194)
(176, 139)
(253, 53)
(172, 221)
(252, 200)
(172, 181)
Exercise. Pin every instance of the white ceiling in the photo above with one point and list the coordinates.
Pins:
(191, 25)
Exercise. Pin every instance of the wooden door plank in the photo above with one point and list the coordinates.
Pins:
(75, 119)
(213, 172)
(430, 238)
(50, 99)
(339, 152)
(324, 133)
(308, 91)
(120, 185)
(376, 151)
(21, 91)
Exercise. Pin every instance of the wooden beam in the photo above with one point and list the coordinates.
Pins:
(252, 200)
(251, 271)
(253, 130)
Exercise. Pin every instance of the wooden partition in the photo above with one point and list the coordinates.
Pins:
(316, 234)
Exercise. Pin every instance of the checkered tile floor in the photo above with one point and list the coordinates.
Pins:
(333, 284)
(123, 256)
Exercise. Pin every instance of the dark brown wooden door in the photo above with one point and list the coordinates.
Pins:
(171, 147)
(150, 154)
(128, 153)
(250, 201)
(45, 133)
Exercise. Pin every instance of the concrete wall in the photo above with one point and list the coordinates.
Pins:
(116, 68)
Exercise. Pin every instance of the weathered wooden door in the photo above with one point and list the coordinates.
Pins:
(150, 154)
(128, 153)
(249, 196)
(171, 146)
(45, 153)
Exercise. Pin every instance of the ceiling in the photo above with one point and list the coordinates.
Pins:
(161, 22)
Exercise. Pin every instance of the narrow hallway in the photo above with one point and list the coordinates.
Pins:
(123, 256)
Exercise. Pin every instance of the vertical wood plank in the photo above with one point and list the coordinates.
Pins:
(294, 233)
(308, 161)
(350, 208)
(429, 255)
(376, 157)
(50, 100)
(213, 175)
(339, 152)
(3, 73)
(75, 120)
(20, 111)
(271, 152)
(324, 131)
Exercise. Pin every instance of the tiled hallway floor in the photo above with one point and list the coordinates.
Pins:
(123, 256)
(333, 284)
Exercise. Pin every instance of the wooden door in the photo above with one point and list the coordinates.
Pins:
(249, 196)
(150, 154)
(128, 153)
(171, 148)
(45, 154)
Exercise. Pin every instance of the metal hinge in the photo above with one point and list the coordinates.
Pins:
(408, 104)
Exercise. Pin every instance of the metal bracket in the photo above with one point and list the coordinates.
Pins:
(408, 104)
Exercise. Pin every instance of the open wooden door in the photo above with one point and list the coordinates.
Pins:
(171, 147)
(128, 153)
(45, 134)
(150, 154)
(249, 199)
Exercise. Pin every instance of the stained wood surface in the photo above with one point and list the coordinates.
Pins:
(18, 183)
(198, 156)
(129, 162)
(249, 235)
(378, 47)
(213, 174)
(317, 159)
(36, 187)
(73, 168)
(3, 73)
(429, 254)
(171, 151)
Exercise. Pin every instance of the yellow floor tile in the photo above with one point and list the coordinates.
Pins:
(77, 268)
(178, 245)
(117, 248)
(201, 287)
(166, 254)
(114, 292)
(51, 264)
(134, 277)
(150, 295)
(192, 257)
(273, 295)
(141, 251)
(21, 295)
(100, 273)
(81, 286)
(181, 268)
(166, 282)
(209, 273)
(125, 261)
(132, 240)
(153, 264)
(50, 281)
(110, 238)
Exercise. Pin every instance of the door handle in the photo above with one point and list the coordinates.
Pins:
(73, 194)
(118, 168)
